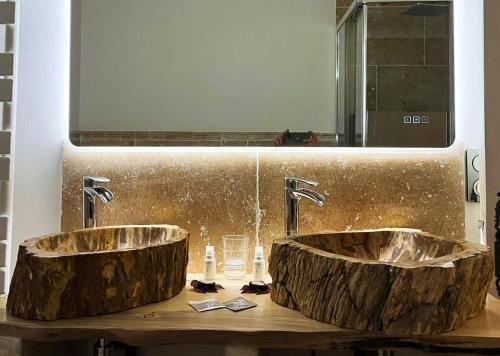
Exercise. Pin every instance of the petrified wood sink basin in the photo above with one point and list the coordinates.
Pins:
(97, 271)
(401, 282)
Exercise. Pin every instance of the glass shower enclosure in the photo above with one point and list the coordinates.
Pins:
(395, 74)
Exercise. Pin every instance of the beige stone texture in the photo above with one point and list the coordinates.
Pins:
(215, 193)
(367, 191)
(208, 194)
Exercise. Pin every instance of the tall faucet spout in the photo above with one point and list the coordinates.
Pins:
(105, 195)
(309, 194)
(91, 193)
(293, 194)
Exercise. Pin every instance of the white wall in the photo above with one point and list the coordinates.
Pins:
(41, 117)
(218, 65)
(469, 89)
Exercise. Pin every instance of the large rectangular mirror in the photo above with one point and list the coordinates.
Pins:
(261, 73)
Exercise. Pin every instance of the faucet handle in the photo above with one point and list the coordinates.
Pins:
(291, 180)
(89, 181)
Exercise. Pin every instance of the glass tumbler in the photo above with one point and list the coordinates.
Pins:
(235, 256)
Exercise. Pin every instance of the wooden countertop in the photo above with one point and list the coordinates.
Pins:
(268, 325)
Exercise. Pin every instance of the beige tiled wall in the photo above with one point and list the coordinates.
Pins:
(216, 193)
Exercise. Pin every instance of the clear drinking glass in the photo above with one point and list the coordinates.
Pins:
(235, 256)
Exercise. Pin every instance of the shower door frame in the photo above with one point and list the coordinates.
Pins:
(356, 6)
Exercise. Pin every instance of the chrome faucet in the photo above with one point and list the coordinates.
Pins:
(293, 194)
(90, 193)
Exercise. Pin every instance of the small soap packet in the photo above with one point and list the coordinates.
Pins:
(238, 304)
(206, 305)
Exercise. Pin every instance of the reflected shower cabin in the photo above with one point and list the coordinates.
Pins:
(395, 74)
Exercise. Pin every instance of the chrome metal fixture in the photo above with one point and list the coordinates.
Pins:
(91, 192)
(293, 194)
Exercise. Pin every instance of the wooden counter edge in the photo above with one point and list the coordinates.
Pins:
(480, 335)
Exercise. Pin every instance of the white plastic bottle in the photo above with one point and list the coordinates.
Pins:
(210, 264)
(259, 264)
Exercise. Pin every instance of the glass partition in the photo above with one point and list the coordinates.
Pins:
(351, 73)
(403, 92)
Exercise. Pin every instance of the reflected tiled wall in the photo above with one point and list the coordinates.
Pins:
(342, 6)
(218, 193)
(408, 74)
(408, 59)
(189, 139)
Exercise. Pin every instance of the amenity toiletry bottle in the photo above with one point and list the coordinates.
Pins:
(210, 264)
(258, 264)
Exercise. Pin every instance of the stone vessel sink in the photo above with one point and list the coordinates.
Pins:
(96, 271)
(400, 282)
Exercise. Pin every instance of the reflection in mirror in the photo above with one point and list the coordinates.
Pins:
(394, 74)
(260, 73)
